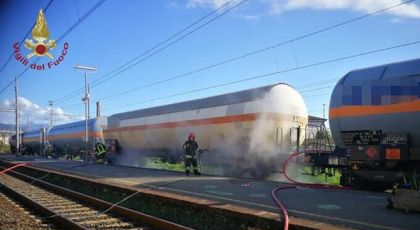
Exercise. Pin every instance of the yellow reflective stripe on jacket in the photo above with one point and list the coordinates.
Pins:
(188, 156)
(100, 149)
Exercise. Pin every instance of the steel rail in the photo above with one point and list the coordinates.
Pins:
(135, 216)
(56, 218)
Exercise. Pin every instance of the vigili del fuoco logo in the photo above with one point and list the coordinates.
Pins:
(40, 46)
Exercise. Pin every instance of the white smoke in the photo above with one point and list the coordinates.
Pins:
(242, 149)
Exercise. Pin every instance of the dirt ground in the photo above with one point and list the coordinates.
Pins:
(11, 217)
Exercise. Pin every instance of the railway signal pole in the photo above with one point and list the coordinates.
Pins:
(85, 99)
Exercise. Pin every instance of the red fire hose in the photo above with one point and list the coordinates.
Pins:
(295, 185)
(14, 166)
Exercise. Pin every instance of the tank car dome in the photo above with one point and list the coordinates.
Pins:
(282, 98)
(385, 97)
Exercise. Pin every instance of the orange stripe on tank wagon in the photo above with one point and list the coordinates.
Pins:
(207, 121)
(364, 110)
(31, 139)
(175, 124)
(75, 135)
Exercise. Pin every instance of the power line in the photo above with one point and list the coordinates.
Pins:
(81, 19)
(171, 43)
(310, 85)
(77, 23)
(26, 35)
(316, 95)
(121, 69)
(317, 83)
(319, 88)
(71, 95)
(274, 73)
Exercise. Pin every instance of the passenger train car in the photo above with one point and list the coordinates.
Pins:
(375, 116)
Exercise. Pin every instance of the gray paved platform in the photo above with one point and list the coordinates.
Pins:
(351, 208)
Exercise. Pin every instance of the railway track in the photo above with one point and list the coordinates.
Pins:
(72, 210)
(13, 215)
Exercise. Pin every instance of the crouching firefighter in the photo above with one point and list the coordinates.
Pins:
(100, 150)
(190, 147)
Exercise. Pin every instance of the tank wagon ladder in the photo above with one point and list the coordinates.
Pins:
(323, 157)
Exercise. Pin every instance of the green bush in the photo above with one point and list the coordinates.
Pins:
(4, 148)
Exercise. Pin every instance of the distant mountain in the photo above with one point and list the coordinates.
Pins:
(24, 127)
(6, 126)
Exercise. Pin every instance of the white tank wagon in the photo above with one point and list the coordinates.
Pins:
(70, 138)
(248, 129)
(33, 141)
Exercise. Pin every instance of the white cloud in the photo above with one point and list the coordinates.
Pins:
(397, 21)
(410, 10)
(249, 17)
(215, 4)
(275, 7)
(37, 114)
(172, 4)
(206, 3)
(5, 103)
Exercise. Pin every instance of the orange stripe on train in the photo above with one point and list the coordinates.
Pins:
(74, 135)
(365, 110)
(66, 136)
(175, 124)
(206, 121)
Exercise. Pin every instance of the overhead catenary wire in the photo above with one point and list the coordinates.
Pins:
(81, 19)
(128, 66)
(77, 23)
(302, 88)
(273, 73)
(124, 92)
(317, 83)
(316, 95)
(306, 87)
(75, 93)
(318, 88)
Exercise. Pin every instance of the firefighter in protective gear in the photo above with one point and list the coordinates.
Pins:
(190, 147)
(100, 150)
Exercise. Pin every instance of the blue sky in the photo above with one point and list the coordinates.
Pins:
(118, 31)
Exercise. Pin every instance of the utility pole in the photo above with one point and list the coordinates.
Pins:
(85, 99)
(17, 118)
(88, 100)
(98, 109)
(28, 124)
(323, 111)
(51, 103)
